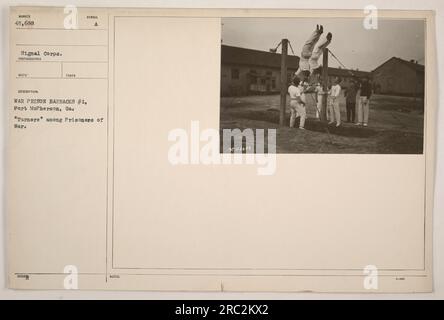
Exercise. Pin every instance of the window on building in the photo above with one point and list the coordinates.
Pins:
(262, 81)
(273, 84)
(269, 73)
(235, 74)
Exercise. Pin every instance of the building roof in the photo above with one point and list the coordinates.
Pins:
(251, 57)
(338, 72)
(242, 56)
(412, 65)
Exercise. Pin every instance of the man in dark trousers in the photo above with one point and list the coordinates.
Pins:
(350, 99)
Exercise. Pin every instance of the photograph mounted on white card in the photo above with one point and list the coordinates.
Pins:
(165, 149)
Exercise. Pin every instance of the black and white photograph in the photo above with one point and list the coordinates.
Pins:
(326, 85)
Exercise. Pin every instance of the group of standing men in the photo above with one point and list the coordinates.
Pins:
(357, 97)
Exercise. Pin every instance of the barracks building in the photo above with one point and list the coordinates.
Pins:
(250, 72)
(399, 77)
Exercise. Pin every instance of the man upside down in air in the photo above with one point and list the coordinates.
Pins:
(309, 61)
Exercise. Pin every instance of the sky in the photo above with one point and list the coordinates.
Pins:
(355, 46)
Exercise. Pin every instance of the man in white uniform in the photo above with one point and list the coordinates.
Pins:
(364, 103)
(333, 106)
(297, 103)
(319, 99)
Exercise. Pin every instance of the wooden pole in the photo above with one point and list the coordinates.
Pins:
(284, 83)
(324, 84)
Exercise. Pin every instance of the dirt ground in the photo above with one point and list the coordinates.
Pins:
(395, 126)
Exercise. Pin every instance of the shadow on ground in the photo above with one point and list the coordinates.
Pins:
(272, 116)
